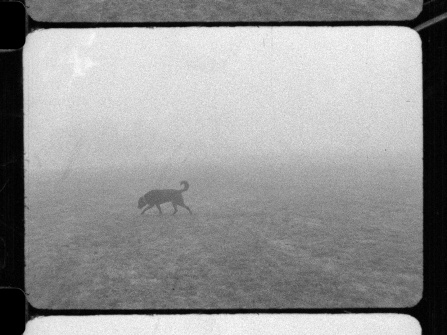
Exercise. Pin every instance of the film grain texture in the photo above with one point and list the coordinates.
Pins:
(302, 148)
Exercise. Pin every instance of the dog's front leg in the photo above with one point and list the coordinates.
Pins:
(159, 209)
(148, 207)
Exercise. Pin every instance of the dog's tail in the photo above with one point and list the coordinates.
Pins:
(185, 185)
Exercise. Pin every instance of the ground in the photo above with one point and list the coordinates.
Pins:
(327, 239)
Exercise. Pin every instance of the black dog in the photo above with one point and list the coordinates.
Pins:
(158, 197)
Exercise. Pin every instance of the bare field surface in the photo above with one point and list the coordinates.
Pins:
(325, 239)
(220, 10)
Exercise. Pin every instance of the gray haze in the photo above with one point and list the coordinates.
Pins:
(97, 98)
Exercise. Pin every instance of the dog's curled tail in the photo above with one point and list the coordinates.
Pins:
(185, 185)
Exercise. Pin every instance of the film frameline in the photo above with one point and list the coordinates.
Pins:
(291, 158)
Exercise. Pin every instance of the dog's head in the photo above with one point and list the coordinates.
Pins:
(141, 202)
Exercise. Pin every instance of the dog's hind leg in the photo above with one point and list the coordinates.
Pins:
(184, 206)
(159, 208)
(175, 208)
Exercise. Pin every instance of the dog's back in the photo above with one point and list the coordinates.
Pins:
(158, 197)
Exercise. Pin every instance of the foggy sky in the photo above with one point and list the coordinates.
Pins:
(123, 97)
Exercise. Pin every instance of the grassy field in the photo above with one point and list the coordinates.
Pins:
(303, 238)
(220, 10)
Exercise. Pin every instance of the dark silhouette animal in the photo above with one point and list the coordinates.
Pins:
(158, 197)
